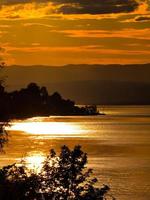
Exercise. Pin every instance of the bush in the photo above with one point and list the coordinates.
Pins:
(3, 113)
(3, 135)
(62, 177)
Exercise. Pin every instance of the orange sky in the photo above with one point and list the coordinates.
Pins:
(60, 32)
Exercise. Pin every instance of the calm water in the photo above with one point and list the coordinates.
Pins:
(118, 146)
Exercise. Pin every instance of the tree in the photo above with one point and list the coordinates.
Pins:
(3, 114)
(63, 177)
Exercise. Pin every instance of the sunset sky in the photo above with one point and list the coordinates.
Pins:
(59, 32)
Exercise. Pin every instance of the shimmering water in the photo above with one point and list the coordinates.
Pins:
(118, 146)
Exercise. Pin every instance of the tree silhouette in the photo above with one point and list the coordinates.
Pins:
(3, 113)
(35, 101)
(63, 177)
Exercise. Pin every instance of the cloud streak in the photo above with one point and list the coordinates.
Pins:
(84, 6)
(97, 7)
(124, 33)
(142, 18)
(75, 55)
(92, 9)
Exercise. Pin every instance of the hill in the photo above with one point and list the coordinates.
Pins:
(86, 84)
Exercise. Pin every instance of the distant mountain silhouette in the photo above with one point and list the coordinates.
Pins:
(87, 84)
(107, 92)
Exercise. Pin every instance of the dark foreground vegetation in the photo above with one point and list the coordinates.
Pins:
(62, 177)
(4, 117)
(35, 101)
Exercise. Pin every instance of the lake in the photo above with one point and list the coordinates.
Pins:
(118, 145)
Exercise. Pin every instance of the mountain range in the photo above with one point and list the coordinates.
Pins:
(87, 84)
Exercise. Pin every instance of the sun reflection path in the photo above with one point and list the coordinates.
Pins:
(34, 161)
(46, 128)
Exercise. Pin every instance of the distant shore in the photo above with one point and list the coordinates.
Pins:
(35, 101)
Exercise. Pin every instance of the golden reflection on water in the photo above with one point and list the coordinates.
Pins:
(41, 130)
(46, 128)
(34, 161)
(118, 148)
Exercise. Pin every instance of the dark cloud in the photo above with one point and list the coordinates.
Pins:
(142, 18)
(86, 6)
(97, 6)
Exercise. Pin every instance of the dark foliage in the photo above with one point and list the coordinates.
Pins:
(62, 177)
(3, 135)
(34, 101)
(3, 113)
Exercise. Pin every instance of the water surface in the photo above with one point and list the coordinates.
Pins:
(118, 146)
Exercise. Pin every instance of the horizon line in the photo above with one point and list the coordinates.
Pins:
(67, 65)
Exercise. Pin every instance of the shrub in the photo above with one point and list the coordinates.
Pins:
(3, 113)
(62, 177)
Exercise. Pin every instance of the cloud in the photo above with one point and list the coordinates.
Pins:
(142, 18)
(74, 55)
(13, 2)
(2, 49)
(123, 33)
(97, 7)
(84, 6)
(25, 10)
(76, 49)
(37, 24)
